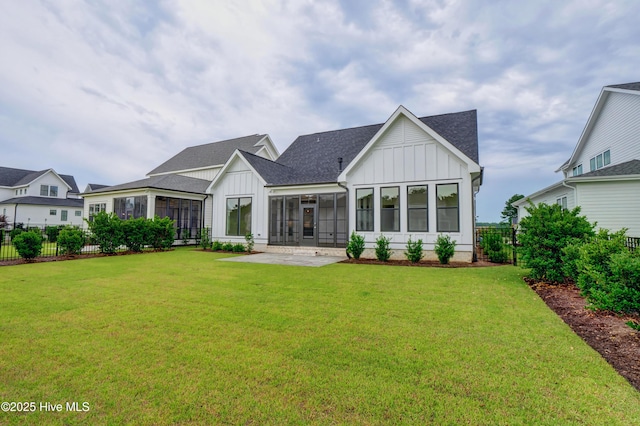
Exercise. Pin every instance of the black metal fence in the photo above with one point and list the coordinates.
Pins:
(51, 249)
(497, 245)
(633, 243)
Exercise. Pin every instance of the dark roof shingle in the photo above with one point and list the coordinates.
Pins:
(210, 154)
(169, 182)
(46, 201)
(627, 86)
(627, 168)
(16, 177)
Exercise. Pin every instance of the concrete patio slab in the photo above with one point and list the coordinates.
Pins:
(286, 259)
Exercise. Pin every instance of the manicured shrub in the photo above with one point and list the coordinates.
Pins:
(216, 245)
(355, 247)
(238, 248)
(135, 233)
(250, 242)
(28, 244)
(52, 232)
(228, 246)
(161, 233)
(383, 252)
(205, 239)
(106, 230)
(70, 241)
(414, 251)
(15, 232)
(545, 233)
(445, 248)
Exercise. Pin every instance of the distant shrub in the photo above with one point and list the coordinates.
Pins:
(545, 233)
(383, 252)
(445, 248)
(228, 246)
(70, 241)
(250, 242)
(414, 251)
(15, 232)
(216, 245)
(52, 232)
(135, 233)
(205, 239)
(493, 245)
(161, 233)
(106, 230)
(28, 244)
(355, 247)
(238, 248)
(186, 236)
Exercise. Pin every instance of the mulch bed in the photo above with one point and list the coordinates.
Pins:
(422, 263)
(606, 332)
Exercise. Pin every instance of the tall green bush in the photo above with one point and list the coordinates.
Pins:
(135, 233)
(70, 240)
(28, 244)
(52, 232)
(383, 251)
(413, 250)
(545, 233)
(205, 239)
(493, 245)
(445, 248)
(106, 230)
(161, 233)
(355, 247)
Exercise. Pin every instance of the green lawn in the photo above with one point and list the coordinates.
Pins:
(179, 338)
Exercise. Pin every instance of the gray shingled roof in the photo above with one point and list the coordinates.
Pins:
(16, 177)
(95, 186)
(211, 154)
(627, 168)
(46, 201)
(627, 86)
(169, 182)
(314, 158)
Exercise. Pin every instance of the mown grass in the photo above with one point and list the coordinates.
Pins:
(179, 338)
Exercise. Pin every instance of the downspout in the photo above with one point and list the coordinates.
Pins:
(15, 215)
(348, 214)
(575, 192)
(473, 203)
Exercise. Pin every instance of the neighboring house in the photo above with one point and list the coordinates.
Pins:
(406, 178)
(93, 187)
(602, 176)
(176, 188)
(39, 198)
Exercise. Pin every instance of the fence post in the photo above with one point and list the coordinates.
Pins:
(513, 244)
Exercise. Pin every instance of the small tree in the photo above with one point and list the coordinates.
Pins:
(28, 244)
(414, 251)
(383, 252)
(135, 233)
(545, 233)
(205, 239)
(445, 248)
(250, 242)
(510, 213)
(106, 230)
(70, 241)
(355, 247)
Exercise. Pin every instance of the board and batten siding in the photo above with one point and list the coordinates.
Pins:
(240, 181)
(616, 128)
(405, 155)
(610, 204)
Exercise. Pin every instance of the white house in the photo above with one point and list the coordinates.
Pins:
(406, 178)
(602, 175)
(177, 187)
(39, 198)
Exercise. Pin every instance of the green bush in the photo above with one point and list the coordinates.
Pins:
(445, 248)
(52, 232)
(414, 251)
(228, 246)
(545, 233)
(205, 239)
(216, 245)
(250, 242)
(28, 244)
(383, 252)
(355, 247)
(106, 230)
(493, 245)
(238, 248)
(135, 233)
(161, 233)
(70, 241)
(186, 236)
(15, 232)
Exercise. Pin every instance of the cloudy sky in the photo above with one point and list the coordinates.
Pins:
(106, 90)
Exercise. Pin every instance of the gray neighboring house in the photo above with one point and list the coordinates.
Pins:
(602, 175)
(39, 198)
(177, 187)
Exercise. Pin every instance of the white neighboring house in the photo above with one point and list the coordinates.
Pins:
(602, 176)
(176, 188)
(408, 177)
(39, 198)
